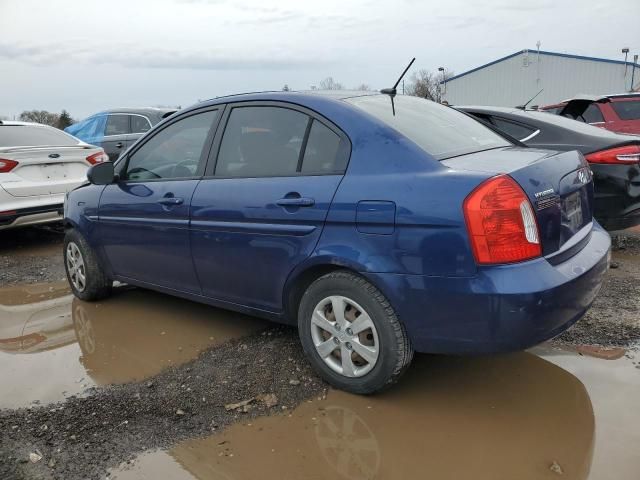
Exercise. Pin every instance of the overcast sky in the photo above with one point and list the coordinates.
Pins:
(89, 55)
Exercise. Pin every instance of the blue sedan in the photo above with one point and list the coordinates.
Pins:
(380, 225)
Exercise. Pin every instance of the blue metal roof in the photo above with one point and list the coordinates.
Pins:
(542, 52)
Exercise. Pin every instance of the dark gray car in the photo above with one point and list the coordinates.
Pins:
(115, 130)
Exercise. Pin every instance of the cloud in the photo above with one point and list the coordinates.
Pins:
(131, 57)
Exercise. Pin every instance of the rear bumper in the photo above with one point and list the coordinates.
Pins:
(503, 308)
(23, 211)
(617, 198)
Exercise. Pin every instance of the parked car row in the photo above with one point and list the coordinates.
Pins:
(613, 158)
(618, 113)
(116, 130)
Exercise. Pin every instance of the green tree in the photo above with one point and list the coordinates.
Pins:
(64, 120)
(286, 88)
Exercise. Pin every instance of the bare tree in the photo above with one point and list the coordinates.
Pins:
(427, 84)
(40, 116)
(363, 87)
(286, 88)
(330, 84)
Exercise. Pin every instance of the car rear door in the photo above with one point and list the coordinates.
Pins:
(144, 217)
(138, 126)
(261, 208)
(116, 134)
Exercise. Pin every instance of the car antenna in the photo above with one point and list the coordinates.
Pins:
(392, 92)
(523, 107)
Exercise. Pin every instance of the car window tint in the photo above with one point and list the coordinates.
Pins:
(261, 141)
(139, 124)
(173, 152)
(592, 114)
(516, 130)
(31, 136)
(322, 154)
(628, 109)
(441, 131)
(117, 125)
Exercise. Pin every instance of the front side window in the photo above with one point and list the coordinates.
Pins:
(440, 131)
(628, 109)
(117, 125)
(261, 142)
(140, 124)
(174, 152)
(90, 130)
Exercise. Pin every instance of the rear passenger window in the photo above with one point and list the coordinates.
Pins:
(591, 115)
(516, 130)
(323, 154)
(139, 124)
(117, 125)
(261, 142)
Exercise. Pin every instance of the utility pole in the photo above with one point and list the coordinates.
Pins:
(633, 71)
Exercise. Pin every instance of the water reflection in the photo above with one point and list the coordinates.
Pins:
(501, 417)
(53, 345)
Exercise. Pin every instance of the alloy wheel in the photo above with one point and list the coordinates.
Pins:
(75, 267)
(345, 336)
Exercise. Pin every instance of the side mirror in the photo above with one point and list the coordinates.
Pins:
(101, 173)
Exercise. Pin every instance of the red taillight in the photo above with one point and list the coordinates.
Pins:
(501, 223)
(619, 155)
(97, 158)
(7, 165)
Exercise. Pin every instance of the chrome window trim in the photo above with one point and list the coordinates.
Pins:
(130, 133)
(529, 137)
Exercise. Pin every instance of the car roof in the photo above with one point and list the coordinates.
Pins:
(309, 99)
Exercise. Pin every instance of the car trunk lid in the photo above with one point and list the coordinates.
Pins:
(558, 185)
(45, 170)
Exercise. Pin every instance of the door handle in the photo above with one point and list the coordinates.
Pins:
(296, 202)
(168, 201)
(119, 145)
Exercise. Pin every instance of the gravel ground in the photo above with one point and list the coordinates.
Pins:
(31, 255)
(614, 319)
(83, 436)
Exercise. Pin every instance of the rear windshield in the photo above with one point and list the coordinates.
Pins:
(441, 131)
(628, 109)
(28, 136)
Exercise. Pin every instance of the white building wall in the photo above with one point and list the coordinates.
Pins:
(511, 82)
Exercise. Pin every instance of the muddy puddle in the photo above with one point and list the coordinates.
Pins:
(523, 415)
(53, 345)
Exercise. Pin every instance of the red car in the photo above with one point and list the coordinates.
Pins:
(618, 113)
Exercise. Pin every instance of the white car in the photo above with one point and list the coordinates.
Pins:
(38, 166)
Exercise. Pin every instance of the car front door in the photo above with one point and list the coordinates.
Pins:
(144, 216)
(261, 208)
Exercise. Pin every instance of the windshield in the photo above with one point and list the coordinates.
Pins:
(29, 136)
(441, 131)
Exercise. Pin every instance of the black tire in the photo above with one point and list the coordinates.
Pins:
(395, 352)
(97, 285)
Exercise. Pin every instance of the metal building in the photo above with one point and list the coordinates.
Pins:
(514, 79)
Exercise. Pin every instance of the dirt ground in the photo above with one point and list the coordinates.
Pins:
(143, 384)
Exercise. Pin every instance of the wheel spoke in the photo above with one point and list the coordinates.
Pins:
(321, 321)
(338, 305)
(361, 323)
(326, 348)
(348, 368)
(368, 353)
